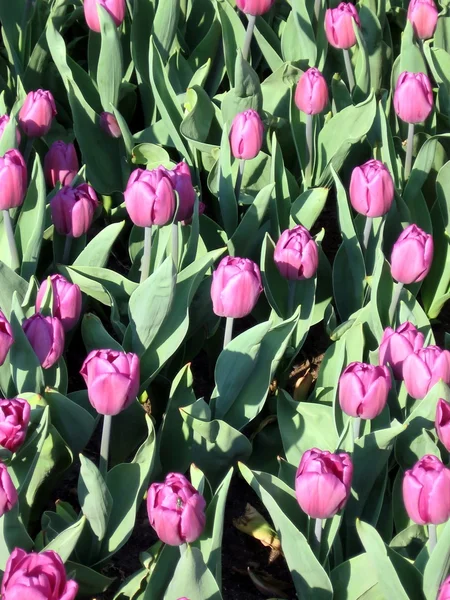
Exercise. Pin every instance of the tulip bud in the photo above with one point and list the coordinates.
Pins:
(37, 112)
(4, 120)
(413, 97)
(412, 255)
(115, 8)
(109, 124)
(13, 179)
(182, 184)
(6, 337)
(323, 482)
(149, 197)
(37, 577)
(426, 491)
(363, 390)
(311, 94)
(61, 164)
(254, 7)
(246, 135)
(66, 300)
(46, 336)
(8, 493)
(371, 189)
(444, 590)
(339, 25)
(396, 345)
(235, 287)
(73, 209)
(296, 254)
(112, 380)
(423, 15)
(423, 369)
(176, 510)
(442, 422)
(14, 420)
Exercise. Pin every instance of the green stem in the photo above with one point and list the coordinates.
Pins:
(228, 331)
(67, 247)
(248, 36)
(349, 69)
(432, 537)
(104, 445)
(318, 534)
(310, 148)
(317, 4)
(145, 263)
(409, 150)
(240, 175)
(183, 548)
(291, 297)
(367, 230)
(395, 298)
(356, 428)
(175, 242)
(28, 148)
(15, 263)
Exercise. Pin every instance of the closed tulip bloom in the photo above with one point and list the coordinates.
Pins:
(412, 255)
(61, 164)
(296, 254)
(13, 179)
(37, 576)
(423, 369)
(426, 491)
(339, 25)
(66, 300)
(363, 390)
(181, 180)
(8, 494)
(323, 482)
(4, 120)
(254, 7)
(73, 209)
(115, 8)
(176, 510)
(109, 124)
(371, 189)
(6, 337)
(413, 97)
(112, 380)
(442, 422)
(311, 94)
(14, 420)
(149, 197)
(246, 135)
(423, 15)
(444, 590)
(37, 112)
(46, 336)
(235, 287)
(397, 345)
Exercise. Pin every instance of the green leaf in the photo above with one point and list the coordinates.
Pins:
(110, 68)
(95, 499)
(355, 578)
(96, 253)
(10, 282)
(165, 26)
(64, 543)
(307, 207)
(95, 336)
(227, 199)
(13, 534)
(438, 565)
(89, 581)
(192, 577)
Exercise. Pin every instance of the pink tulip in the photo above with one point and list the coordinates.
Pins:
(115, 8)
(37, 112)
(61, 164)
(14, 420)
(180, 178)
(423, 369)
(46, 336)
(246, 135)
(4, 120)
(73, 209)
(363, 390)
(254, 7)
(6, 337)
(296, 254)
(444, 590)
(13, 179)
(311, 94)
(423, 15)
(8, 494)
(109, 124)
(66, 300)
(396, 345)
(339, 25)
(426, 491)
(112, 380)
(442, 422)
(176, 510)
(235, 287)
(413, 97)
(36, 576)
(323, 482)
(371, 189)
(412, 255)
(149, 197)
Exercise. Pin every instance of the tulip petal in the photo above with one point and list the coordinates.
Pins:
(417, 377)
(320, 496)
(167, 527)
(109, 393)
(412, 490)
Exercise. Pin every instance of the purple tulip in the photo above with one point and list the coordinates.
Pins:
(296, 254)
(424, 368)
(109, 124)
(13, 179)
(46, 336)
(246, 135)
(311, 93)
(363, 390)
(442, 422)
(254, 7)
(8, 493)
(73, 209)
(180, 178)
(423, 15)
(4, 120)
(37, 112)
(14, 420)
(412, 255)
(66, 300)
(339, 25)
(115, 8)
(6, 337)
(149, 197)
(371, 189)
(61, 164)
(426, 491)
(413, 97)
(396, 345)
(444, 590)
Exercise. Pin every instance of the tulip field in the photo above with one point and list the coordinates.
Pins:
(224, 300)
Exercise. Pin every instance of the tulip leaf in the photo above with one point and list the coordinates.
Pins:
(281, 208)
(64, 543)
(306, 209)
(96, 253)
(355, 578)
(227, 200)
(109, 68)
(13, 534)
(233, 34)
(10, 282)
(165, 27)
(89, 581)
(438, 565)
(192, 577)
(95, 499)
(95, 336)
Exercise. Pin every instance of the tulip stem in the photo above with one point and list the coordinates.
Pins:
(240, 175)
(248, 36)
(67, 248)
(183, 548)
(228, 331)
(432, 537)
(395, 298)
(175, 242)
(356, 427)
(349, 69)
(409, 150)
(15, 264)
(317, 4)
(291, 297)
(28, 149)
(145, 262)
(318, 533)
(310, 147)
(104, 445)
(367, 230)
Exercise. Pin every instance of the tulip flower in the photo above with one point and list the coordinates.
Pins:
(73, 210)
(181, 180)
(4, 120)
(46, 336)
(363, 390)
(37, 576)
(444, 590)
(109, 124)
(115, 8)
(6, 337)
(412, 255)
(371, 189)
(37, 112)
(423, 369)
(323, 483)
(61, 164)
(423, 16)
(14, 420)
(442, 422)
(149, 197)
(339, 25)
(296, 254)
(8, 493)
(254, 7)
(311, 94)
(426, 491)
(246, 135)
(66, 300)
(13, 179)
(397, 345)
(176, 510)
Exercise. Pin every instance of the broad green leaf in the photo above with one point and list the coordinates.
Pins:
(95, 499)
(192, 577)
